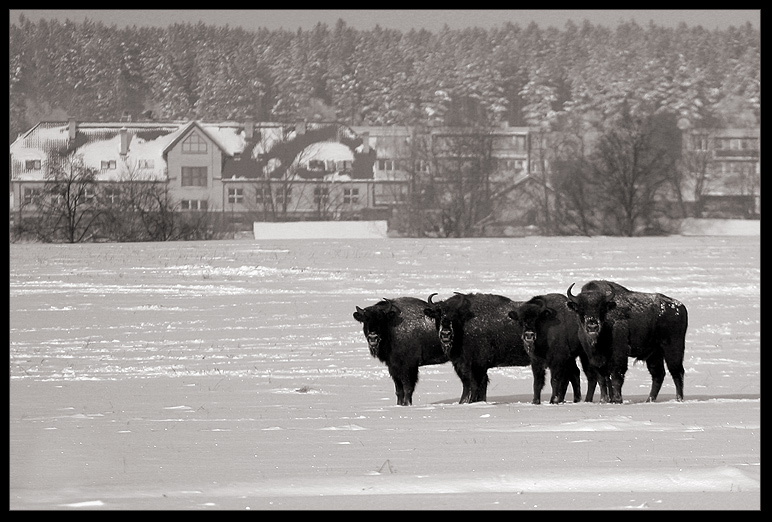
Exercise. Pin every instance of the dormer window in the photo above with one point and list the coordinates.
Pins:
(194, 144)
(108, 165)
(146, 164)
(32, 164)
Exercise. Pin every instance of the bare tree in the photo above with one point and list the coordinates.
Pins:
(272, 190)
(67, 209)
(456, 193)
(126, 204)
(630, 166)
(694, 172)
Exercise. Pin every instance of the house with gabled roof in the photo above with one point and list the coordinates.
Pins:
(244, 171)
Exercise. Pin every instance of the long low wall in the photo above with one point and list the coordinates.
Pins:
(720, 227)
(321, 230)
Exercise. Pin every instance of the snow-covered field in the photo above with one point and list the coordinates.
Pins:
(232, 375)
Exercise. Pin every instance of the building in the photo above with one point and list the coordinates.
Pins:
(244, 171)
(263, 171)
(724, 172)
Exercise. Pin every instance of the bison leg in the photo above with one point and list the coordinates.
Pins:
(400, 390)
(478, 390)
(576, 382)
(656, 365)
(559, 383)
(465, 383)
(617, 379)
(676, 369)
(539, 371)
(605, 388)
(592, 377)
(404, 383)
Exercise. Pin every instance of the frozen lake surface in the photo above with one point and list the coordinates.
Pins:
(232, 375)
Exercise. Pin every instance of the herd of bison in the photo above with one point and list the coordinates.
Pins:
(603, 325)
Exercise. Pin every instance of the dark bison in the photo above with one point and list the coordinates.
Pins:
(399, 335)
(617, 323)
(476, 333)
(551, 339)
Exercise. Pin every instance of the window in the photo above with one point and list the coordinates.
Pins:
(283, 195)
(194, 176)
(32, 164)
(389, 194)
(194, 144)
(421, 166)
(88, 194)
(262, 195)
(146, 164)
(508, 164)
(321, 195)
(351, 195)
(747, 144)
(108, 165)
(385, 164)
(193, 204)
(235, 195)
(112, 195)
(343, 165)
(699, 142)
(316, 165)
(31, 195)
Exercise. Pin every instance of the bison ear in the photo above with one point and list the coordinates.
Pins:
(429, 312)
(359, 315)
(513, 315)
(572, 306)
(610, 305)
(391, 314)
(548, 313)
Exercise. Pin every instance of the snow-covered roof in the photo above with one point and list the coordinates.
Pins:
(325, 150)
(146, 144)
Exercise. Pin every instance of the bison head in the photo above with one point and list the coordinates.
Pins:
(449, 318)
(530, 317)
(591, 306)
(376, 321)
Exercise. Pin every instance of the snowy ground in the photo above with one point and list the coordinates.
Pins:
(231, 375)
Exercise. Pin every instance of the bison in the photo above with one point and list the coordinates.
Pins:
(616, 323)
(476, 333)
(550, 337)
(399, 335)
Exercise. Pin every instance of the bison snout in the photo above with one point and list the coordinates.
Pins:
(592, 325)
(529, 336)
(446, 339)
(373, 340)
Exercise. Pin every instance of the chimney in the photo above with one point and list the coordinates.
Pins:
(365, 143)
(71, 129)
(249, 130)
(124, 141)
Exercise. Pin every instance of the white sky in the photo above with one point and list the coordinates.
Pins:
(401, 19)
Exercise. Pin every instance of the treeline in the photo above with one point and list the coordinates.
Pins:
(522, 75)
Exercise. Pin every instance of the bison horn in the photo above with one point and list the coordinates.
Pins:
(568, 293)
(430, 298)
